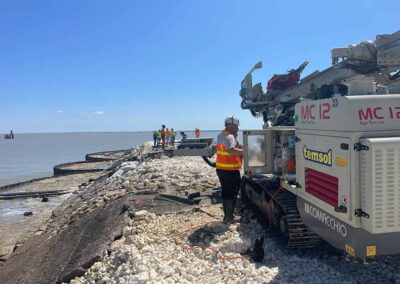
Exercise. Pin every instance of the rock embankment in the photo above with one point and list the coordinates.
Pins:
(15, 227)
(179, 176)
(157, 249)
(193, 246)
(77, 233)
(121, 229)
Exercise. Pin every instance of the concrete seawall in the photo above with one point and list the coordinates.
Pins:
(17, 184)
(65, 168)
(105, 156)
(80, 167)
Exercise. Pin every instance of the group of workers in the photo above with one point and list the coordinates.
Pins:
(228, 162)
(164, 136)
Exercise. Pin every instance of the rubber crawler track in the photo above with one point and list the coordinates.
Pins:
(298, 234)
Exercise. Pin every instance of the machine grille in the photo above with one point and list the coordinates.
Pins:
(322, 186)
(380, 185)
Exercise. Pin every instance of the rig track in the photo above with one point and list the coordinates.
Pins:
(286, 216)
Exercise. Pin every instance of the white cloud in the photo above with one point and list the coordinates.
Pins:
(99, 112)
(59, 111)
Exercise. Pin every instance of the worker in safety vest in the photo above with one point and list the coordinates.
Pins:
(155, 137)
(197, 132)
(158, 137)
(167, 134)
(163, 136)
(228, 164)
(172, 135)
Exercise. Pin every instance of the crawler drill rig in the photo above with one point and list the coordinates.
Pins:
(327, 162)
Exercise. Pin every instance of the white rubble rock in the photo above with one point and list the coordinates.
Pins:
(168, 175)
(127, 231)
(118, 244)
(156, 250)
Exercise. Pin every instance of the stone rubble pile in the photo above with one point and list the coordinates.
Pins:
(90, 196)
(177, 175)
(158, 249)
(154, 250)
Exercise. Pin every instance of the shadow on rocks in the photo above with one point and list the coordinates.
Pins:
(207, 234)
(69, 253)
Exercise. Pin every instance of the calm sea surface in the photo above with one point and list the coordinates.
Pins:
(34, 155)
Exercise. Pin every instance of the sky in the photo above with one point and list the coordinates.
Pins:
(73, 65)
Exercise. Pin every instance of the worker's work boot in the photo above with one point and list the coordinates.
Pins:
(224, 209)
(228, 216)
(224, 205)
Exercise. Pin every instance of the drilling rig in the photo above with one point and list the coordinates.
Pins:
(326, 165)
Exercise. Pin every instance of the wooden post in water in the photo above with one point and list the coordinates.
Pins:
(9, 136)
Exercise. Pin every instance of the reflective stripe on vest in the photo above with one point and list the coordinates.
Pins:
(227, 161)
(223, 153)
(230, 166)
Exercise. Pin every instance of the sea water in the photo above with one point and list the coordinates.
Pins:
(31, 156)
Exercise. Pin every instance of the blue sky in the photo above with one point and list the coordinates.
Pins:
(134, 65)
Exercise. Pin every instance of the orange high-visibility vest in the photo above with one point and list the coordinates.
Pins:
(226, 161)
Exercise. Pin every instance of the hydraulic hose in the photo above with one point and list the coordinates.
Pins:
(211, 164)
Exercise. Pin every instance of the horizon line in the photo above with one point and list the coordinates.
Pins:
(70, 132)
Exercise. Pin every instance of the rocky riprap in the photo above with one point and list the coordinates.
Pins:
(153, 173)
(179, 176)
(150, 240)
(193, 246)
(154, 250)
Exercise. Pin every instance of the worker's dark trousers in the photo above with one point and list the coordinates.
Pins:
(230, 183)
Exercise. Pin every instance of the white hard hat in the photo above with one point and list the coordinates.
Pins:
(232, 120)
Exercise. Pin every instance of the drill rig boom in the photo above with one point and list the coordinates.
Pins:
(378, 60)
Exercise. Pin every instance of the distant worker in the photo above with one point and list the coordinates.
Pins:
(163, 136)
(197, 132)
(228, 164)
(167, 134)
(155, 137)
(159, 137)
(172, 136)
(183, 134)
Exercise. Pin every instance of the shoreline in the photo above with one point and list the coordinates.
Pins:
(20, 182)
(77, 132)
(16, 228)
(30, 156)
